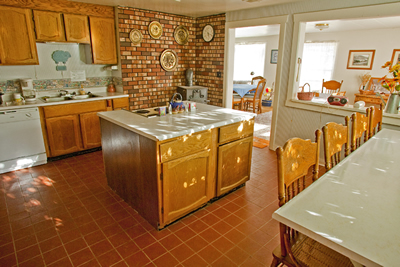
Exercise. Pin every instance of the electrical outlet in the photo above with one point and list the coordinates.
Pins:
(219, 74)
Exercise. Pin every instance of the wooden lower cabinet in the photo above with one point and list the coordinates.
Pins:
(234, 164)
(63, 135)
(185, 185)
(90, 130)
(70, 128)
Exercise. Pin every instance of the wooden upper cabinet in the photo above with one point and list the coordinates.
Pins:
(77, 28)
(17, 39)
(49, 26)
(103, 43)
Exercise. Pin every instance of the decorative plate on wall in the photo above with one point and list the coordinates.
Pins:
(181, 35)
(155, 29)
(169, 60)
(135, 36)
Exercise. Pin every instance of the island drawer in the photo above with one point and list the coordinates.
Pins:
(236, 131)
(185, 145)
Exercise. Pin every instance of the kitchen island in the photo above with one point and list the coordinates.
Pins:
(166, 167)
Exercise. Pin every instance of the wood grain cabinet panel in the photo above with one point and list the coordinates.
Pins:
(17, 39)
(234, 164)
(103, 43)
(120, 103)
(63, 135)
(77, 28)
(236, 130)
(185, 184)
(90, 130)
(49, 26)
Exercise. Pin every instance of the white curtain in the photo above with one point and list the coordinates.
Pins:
(318, 63)
(248, 58)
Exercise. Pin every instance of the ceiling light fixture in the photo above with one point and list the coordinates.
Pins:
(322, 26)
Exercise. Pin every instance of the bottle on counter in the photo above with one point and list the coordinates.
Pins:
(169, 109)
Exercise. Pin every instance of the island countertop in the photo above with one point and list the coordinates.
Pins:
(174, 125)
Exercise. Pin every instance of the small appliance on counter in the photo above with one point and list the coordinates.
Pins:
(27, 90)
(337, 100)
(194, 93)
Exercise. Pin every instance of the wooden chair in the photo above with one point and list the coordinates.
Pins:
(254, 81)
(256, 99)
(331, 86)
(295, 250)
(237, 100)
(336, 136)
(360, 127)
(375, 120)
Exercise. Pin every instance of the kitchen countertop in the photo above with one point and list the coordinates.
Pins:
(39, 102)
(174, 125)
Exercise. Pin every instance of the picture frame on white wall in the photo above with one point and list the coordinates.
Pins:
(274, 56)
(360, 59)
(396, 57)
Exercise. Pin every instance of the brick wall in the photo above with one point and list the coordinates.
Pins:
(210, 58)
(143, 78)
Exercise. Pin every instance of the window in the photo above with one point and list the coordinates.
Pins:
(318, 63)
(248, 58)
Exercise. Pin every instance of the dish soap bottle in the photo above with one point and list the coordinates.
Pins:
(81, 91)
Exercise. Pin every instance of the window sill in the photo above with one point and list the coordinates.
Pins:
(322, 106)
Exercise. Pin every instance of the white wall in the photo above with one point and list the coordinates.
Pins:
(359, 40)
(47, 67)
(272, 43)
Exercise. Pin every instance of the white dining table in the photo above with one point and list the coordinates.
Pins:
(242, 89)
(354, 208)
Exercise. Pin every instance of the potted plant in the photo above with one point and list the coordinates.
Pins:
(393, 85)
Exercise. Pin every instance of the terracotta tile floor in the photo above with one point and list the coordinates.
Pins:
(64, 214)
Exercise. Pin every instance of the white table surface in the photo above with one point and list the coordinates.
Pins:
(355, 207)
(174, 125)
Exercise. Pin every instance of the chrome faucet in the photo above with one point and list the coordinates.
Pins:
(63, 92)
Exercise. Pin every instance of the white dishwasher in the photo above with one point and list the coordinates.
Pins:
(21, 139)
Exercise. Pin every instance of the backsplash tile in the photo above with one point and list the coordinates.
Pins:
(11, 86)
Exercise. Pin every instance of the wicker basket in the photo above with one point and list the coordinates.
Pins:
(305, 95)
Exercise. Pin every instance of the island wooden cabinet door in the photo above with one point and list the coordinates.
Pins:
(185, 182)
(103, 43)
(77, 28)
(90, 129)
(49, 26)
(63, 135)
(17, 38)
(234, 164)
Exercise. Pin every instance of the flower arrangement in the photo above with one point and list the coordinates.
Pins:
(391, 84)
(364, 80)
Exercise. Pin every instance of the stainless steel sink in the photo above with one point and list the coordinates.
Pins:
(66, 98)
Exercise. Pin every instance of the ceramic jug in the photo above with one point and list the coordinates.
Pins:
(177, 105)
(393, 104)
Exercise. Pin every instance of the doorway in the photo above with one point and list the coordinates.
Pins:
(269, 32)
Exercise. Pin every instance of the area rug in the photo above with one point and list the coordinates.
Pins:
(259, 142)
(262, 129)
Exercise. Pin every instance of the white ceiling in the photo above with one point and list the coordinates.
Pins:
(334, 26)
(191, 8)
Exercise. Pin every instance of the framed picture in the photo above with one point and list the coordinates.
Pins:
(376, 86)
(360, 59)
(274, 56)
(396, 57)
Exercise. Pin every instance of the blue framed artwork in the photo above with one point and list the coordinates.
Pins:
(274, 56)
